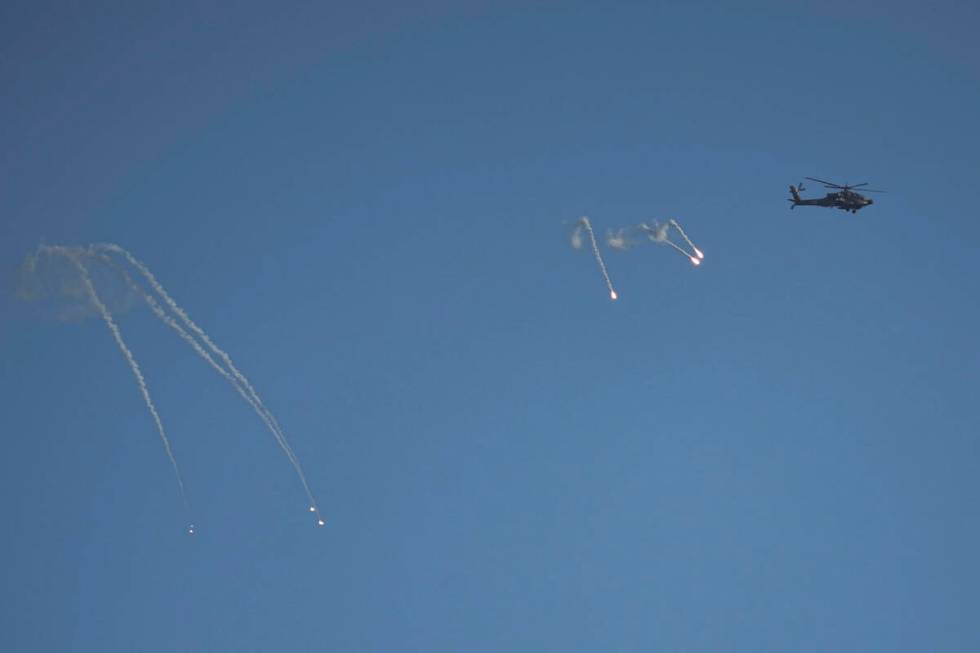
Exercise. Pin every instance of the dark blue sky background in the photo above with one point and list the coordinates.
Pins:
(369, 208)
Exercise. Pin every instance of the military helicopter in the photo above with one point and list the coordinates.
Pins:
(846, 199)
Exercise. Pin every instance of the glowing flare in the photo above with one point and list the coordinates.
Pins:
(613, 296)
(320, 522)
(312, 508)
(699, 252)
(695, 261)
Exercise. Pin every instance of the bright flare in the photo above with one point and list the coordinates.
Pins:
(699, 252)
(695, 261)
(613, 295)
(320, 522)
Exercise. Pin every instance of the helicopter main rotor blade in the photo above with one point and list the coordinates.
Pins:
(825, 183)
(858, 185)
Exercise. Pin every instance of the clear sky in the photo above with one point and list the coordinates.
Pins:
(369, 210)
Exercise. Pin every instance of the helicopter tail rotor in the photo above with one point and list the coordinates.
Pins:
(795, 192)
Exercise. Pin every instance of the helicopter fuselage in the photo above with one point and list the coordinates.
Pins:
(845, 200)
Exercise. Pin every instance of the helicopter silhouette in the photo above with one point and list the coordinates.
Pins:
(845, 199)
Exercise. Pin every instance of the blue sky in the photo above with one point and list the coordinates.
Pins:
(369, 210)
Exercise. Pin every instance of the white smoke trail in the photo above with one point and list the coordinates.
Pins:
(241, 382)
(584, 221)
(74, 257)
(576, 237)
(678, 248)
(169, 320)
(660, 234)
(620, 238)
(680, 230)
(657, 233)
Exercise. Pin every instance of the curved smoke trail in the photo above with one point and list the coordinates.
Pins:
(75, 257)
(232, 374)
